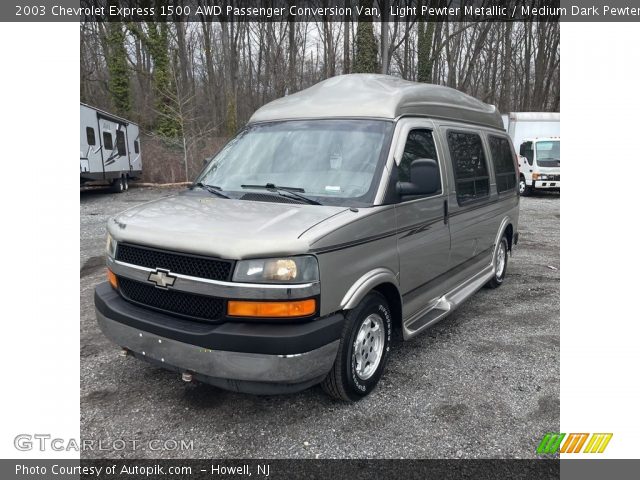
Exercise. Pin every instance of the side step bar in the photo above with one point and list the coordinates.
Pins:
(445, 304)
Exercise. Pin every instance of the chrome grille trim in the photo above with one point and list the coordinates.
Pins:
(218, 288)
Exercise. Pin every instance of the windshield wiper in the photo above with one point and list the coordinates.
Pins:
(211, 189)
(292, 191)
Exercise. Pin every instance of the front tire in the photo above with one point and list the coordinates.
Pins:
(500, 264)
(363, 352)
(523, 188)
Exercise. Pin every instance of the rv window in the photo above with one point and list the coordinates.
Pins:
(107, 141)
(502, 157)
(91, 136)
(470, 166)
(120, 143)
(136, 147)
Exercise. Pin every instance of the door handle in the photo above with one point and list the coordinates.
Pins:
(446, 212)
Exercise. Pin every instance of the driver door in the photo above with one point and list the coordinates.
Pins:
(422, 228)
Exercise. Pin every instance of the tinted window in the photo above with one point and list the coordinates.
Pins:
(419, 144)
(91, 136)
(136, 147)
(107, 141)
(470, 166)
(503, 163)
(120, 143)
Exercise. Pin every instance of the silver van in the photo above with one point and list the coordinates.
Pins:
(363, 204)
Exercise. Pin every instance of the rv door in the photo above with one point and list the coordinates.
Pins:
(114, 148)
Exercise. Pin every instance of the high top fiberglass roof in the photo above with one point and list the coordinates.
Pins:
(379, 96)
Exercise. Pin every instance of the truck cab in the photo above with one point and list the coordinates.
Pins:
(539, 164)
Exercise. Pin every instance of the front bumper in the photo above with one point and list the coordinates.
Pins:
(546, 184)
(249, 357)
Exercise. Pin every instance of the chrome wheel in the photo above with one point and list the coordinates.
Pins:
(368, 345)
(501, 260)
(522, 186)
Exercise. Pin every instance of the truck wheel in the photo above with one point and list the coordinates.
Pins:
(524, 189)
(125, 179)
(118, 185)
(363, 352)
(500, 264)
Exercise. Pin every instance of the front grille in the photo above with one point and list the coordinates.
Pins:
(173, 301)
(553, 178)
(186, 264)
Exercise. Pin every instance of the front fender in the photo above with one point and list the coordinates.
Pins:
(365, 284)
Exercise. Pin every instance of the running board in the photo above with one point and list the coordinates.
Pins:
(445, 304)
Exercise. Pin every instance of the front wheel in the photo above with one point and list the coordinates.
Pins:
(523, 188)
(363, 352)
(499, 264)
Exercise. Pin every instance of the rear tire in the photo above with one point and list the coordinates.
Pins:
(363, 352)
(125, 179)
(118, 185)
(500, 261)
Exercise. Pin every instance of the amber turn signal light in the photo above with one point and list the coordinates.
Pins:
(113, 280)
(300, 308)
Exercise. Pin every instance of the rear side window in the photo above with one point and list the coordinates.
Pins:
(136, 147)
(120, 143)
(469, 165)
(503, 163)
(419, 144)
(107, 140)
(91, 136)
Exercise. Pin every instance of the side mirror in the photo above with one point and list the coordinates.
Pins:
(425, 178)
(523, 149)
(205, 161)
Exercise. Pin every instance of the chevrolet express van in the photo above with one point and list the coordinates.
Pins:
(363, 204)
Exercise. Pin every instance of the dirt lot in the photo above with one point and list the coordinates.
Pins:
(485, 382)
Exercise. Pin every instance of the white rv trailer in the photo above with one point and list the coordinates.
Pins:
(109, 148)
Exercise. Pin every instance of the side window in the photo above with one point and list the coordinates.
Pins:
(120, 143)
(136, 146)
(107, 141)
(502, 157)
(526, 150)
(419, 144)
(469, 165)
(91, 136)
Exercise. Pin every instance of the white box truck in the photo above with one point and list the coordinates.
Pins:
(109, 149)
(536, 136)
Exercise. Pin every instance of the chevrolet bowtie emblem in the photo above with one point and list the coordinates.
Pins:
(162, 278)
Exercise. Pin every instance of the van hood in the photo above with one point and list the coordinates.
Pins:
(197, 222)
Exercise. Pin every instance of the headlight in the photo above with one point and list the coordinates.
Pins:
(111, 246)
(539, 176)
(301, 269)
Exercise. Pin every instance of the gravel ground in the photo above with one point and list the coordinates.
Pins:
(484, 382)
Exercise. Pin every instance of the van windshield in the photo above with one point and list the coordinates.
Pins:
(548, 153)
(335, 162)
